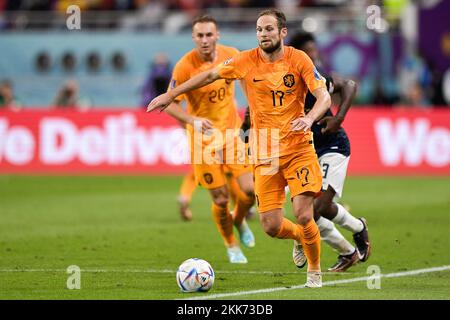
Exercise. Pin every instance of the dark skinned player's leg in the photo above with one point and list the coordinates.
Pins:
(324, 206)
(335, 212)
(324, 211)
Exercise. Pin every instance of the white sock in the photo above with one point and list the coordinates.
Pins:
(333, 237)
(347, 221)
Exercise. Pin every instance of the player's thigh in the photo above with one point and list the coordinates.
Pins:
(303, 175)
(334, 169)
(244, 176)
(269, 188)
(209, 176)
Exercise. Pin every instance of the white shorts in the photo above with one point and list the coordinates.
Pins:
(334, 169)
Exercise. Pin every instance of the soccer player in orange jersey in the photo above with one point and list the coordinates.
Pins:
(333, 150)
(212, 109)
(276, 80)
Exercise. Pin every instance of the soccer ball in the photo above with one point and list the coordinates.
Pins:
(195, 275)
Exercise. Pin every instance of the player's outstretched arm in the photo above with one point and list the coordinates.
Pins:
(347, 90)
(200, 80)
(323, 103)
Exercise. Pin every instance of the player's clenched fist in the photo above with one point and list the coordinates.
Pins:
(202, 125)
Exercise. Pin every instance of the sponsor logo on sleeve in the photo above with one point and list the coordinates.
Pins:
(227, 61)
(317, 75)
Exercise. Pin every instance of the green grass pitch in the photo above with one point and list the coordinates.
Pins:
(126, 236)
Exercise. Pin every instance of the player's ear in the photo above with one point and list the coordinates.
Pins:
(284, 32)
(218, 34)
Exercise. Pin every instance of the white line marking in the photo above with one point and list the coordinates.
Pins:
(93, 270)
(170, 271)
(327, 283)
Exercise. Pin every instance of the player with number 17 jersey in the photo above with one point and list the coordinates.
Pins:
(276, 93)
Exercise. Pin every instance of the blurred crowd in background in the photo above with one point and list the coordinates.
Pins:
(61, 5)
(39, 69)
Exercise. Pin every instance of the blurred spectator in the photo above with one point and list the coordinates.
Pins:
(7, 98)
(68, 97)
(414, 77)
(125, 4)
(158, 79)
(415, 96)
(187, 5)
(26, 5)
(62, 5)
(258, 3)
(148, 14)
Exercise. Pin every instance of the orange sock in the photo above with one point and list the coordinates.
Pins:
(188, 186)
(289, 230)
(310, 237)
(243, 205)
(224, 223)
(233, 187)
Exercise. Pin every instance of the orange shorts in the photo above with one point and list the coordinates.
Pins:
(300, 172)
(212, 176)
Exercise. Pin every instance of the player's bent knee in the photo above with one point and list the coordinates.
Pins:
(271, 229)
(270, 226)
(303, 214)
(221, 202)
(303, 219)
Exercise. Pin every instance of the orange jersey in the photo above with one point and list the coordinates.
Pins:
(276, 93)
(215, 101)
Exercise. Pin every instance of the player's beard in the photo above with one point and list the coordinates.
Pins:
(272, 48)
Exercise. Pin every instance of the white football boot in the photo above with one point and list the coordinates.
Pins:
(298, 255)
(314, 279)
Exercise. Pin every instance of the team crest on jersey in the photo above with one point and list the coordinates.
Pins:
(208, 178)
(289, 80)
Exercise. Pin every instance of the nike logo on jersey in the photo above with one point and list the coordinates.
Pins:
(257, 80)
